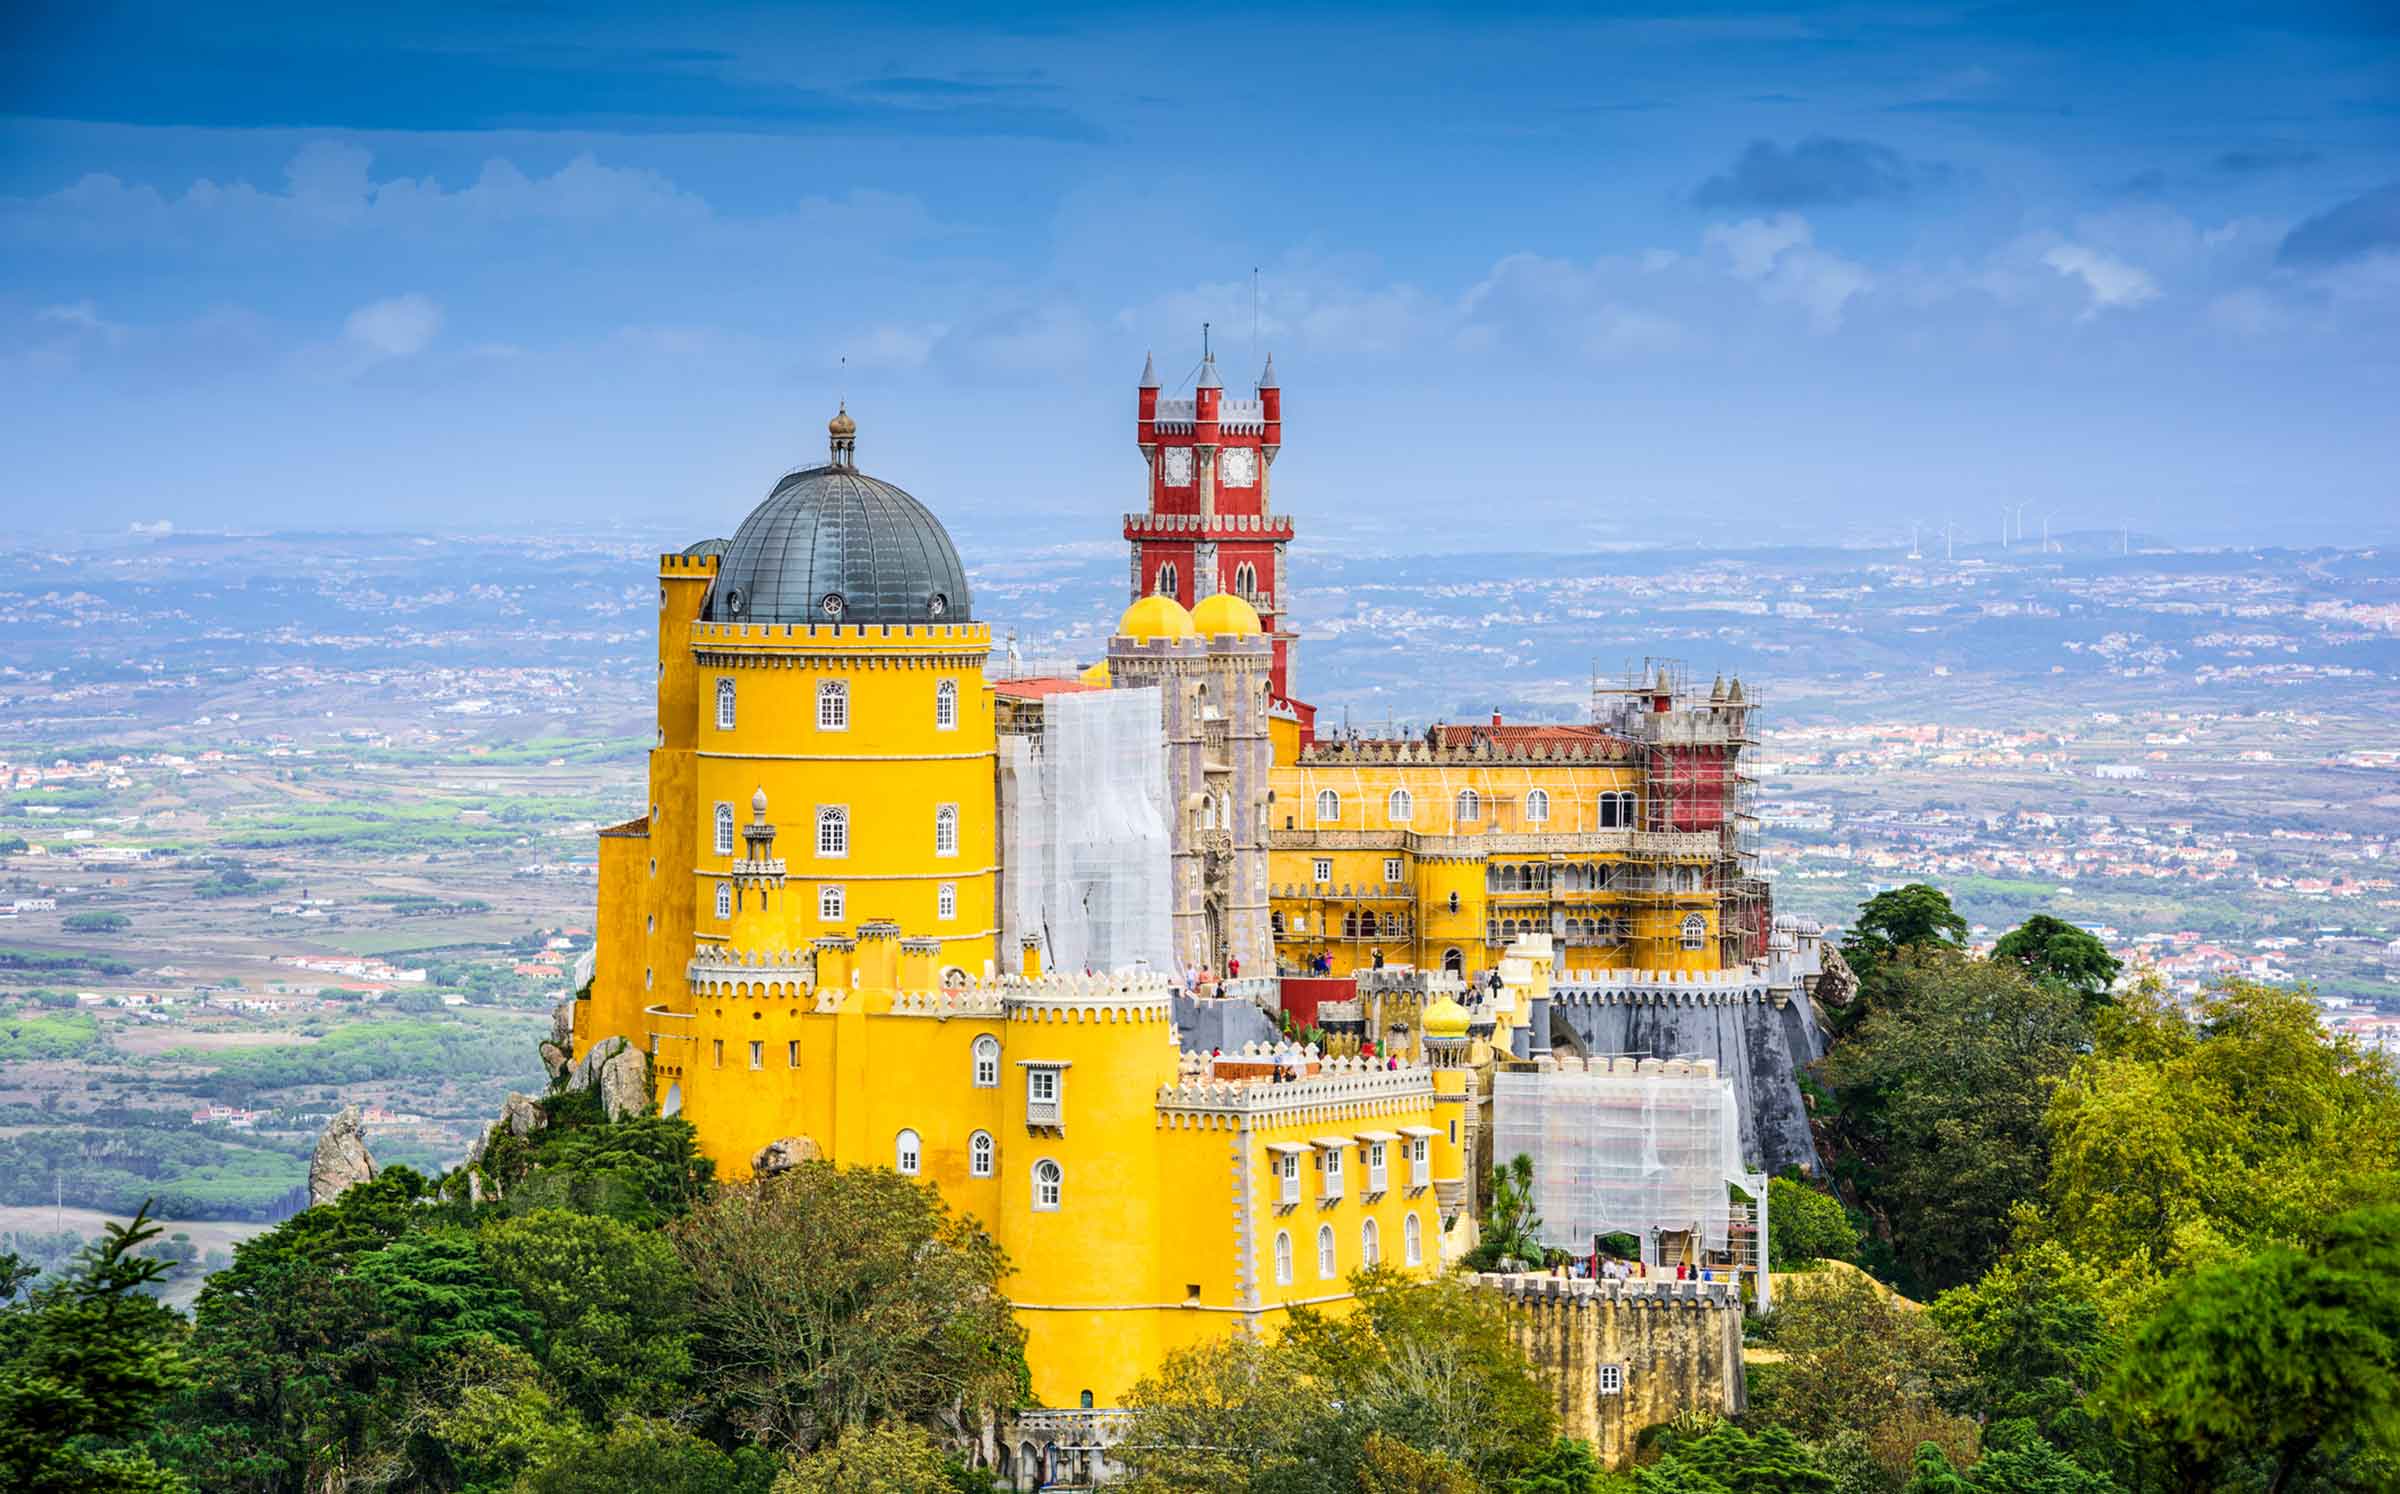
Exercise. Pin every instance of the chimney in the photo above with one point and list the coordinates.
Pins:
(834, 961)
(879, 955)
(920, 964)
(1029, 957)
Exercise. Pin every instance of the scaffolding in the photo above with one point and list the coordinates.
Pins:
(1697, 807)
(1086, 869)
(1645, 1147)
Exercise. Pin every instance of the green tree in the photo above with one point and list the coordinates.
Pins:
(1511, 1229)
(1901, 918)
(2279, 1355)
(1805, 1224)
(610, 1300)
(1567, 1468)
(643, 1170)
(436, 1291)
(2053, 949)
(1728, 1460)
(892, 1459)
(1387, 1465)
(85, 1362)
(2039, 1345)
(2184, 1139)
(832, 1298)
(97, 923)
(1858, 1360)
(652, 1456)
(2032, 1468)
(1944, 1087)
(1230, 1414)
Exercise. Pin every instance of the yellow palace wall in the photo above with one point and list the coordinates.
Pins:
(1442, 853)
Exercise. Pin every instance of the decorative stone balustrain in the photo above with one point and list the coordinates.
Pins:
(1540, 1286)
(1329, 751)
(1355, 1083)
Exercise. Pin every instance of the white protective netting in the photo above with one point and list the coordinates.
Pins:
(1622, 1152)
(1087, 848)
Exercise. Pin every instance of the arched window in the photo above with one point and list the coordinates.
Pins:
(1049, 1185)
(945, 830)
(833, 705)
(979, 1155)
(1412, 1241)
(1329, 805)
(1400, 808)
(724, 703)
(1283, 1257)
(1327, 1263)
(945, 901)
(829, 904)
(1453, 963)
(1470, 806)
(1537, 807)
(945, 705)
(833, 830)
(1245, 579)
(987, 1063)
(1370, 1244)
(1695, 932)
(724, 829)
(724, 899)
(904, 1154)
(1166, 585)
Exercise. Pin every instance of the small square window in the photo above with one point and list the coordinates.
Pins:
(1391, 869)
(1324, 869)
(829, 904)
(1612, 1379)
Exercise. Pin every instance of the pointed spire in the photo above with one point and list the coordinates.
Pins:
(1208, 374)
(1149, 372)
(1266, 377)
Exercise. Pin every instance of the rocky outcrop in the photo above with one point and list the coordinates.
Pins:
(620, 1072)
(562, 1025)
(554, 1061)
(784, 1154)
(340, 1162)
(1837, 984)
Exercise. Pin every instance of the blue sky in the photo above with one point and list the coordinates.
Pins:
(1549, 273)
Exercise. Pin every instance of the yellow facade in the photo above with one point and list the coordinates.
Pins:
(1441, 858)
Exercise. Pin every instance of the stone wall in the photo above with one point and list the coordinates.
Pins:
(1677, 1347)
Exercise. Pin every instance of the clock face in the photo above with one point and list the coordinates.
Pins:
(1239, 464)
(1179, 466)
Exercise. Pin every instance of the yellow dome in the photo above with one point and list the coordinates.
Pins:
(1226, 616)
(841, 424)
(1446, 1019)
(1096, 675)
(1155, 617)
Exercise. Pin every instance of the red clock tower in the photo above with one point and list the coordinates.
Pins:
(1208, 525)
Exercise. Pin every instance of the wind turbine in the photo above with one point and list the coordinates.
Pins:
(2046, 518)
(2021, 518)
(1912, 541)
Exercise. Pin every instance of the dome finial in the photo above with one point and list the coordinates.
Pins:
(844, 432)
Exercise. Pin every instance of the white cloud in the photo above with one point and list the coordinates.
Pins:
(2110, 282)
(1780, 256)
(401, 327)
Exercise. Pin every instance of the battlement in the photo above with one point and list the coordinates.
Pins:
(1201, 527)
(1364, 751)
(1742, 985)
(1531, 1287)
(687, 567)
(841, 637)
(1363, 1083)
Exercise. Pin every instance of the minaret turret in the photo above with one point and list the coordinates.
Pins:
(844, 433)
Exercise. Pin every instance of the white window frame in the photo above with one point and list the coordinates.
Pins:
(724, 702)
(1470, 807)
(945, 706)
(1609, 1379)
(1045, 1094)
(1329, 1172)
(983, 1155)
(724, 900)
(985, 1060)
(1392, 870)
(724, 829)
(1412, 1241)
(945, 830)
(1049, 1186)
(831, 900)
(1377, 1173)
(833, 831)
(1329, 806)
(1370, 1245)
(758, 1053)
(1401, 807)
(945, 901)
(1537, 807)
(1287, 1167)
(908, 1153)
(1695, 931)
(1420, 1161)
(1329, 1259)
(1323, 868)
(833, 705)
(1283, 1257)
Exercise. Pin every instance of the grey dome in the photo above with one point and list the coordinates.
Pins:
(832, 544)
